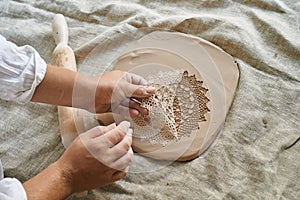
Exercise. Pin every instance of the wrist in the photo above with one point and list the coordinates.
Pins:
(63, 178)
(86, 93)
(51, 183)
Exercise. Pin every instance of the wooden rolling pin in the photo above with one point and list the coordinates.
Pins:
(70, 119)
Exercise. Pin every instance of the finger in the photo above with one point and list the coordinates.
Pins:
(134, 105)
(100, 130)
(123, 162)
(117, 134)
(122, 147)
(142, 111)
(126, 102)
(140, 91)
(118, 175)
(125, 111)
(135, 79)
(134, 112)
(126, 170)
(118, 151)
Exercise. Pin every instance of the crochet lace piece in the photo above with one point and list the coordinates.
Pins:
(175, 110)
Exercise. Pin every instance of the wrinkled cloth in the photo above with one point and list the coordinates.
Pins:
(249, 160)
(21, 70)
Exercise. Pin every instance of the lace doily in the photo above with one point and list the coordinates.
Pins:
(175, 110)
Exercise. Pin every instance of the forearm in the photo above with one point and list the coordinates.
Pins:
(64, 87)
(47, 185)
(56, 87)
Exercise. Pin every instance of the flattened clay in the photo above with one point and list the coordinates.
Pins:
(163, 53)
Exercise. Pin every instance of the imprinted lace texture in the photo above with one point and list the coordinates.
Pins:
(175, 110)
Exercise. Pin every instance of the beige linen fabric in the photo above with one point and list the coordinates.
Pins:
(249, 159)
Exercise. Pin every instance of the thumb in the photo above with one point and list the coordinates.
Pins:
(138, 91)
(100, 130)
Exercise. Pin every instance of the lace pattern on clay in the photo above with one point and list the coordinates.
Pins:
(175, 110)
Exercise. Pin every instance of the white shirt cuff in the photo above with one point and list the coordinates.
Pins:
(21, 70)
(12, 189)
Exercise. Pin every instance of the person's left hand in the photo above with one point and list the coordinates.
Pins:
(112, 93)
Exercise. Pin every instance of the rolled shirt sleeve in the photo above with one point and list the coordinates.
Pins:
(21, 70)
(11, 188)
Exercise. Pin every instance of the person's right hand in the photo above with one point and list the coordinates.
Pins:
(97, 157)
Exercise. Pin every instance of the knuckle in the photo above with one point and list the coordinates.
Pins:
(130, 158)
(96, 147)
(100, 128)
(118, 177)
(122, 174)
(140, 91)
(105, 160)
(127, 145)
(119, 133)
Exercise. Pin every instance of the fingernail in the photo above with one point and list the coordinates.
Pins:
(150, 89)
(129, 132)
(124, 125)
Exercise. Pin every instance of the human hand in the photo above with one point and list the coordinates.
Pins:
(111, 92)
(97, 157)
(116, 88)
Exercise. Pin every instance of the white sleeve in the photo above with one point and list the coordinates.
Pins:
(21, 70)
(11, 188)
